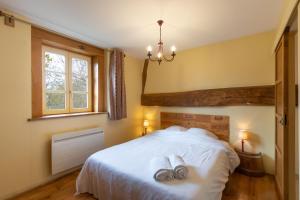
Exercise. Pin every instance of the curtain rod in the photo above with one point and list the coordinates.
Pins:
(10, 21)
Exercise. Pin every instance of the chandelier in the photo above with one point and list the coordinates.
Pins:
(160, 53)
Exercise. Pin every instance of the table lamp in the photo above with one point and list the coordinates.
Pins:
(146, 125)
(243, 136)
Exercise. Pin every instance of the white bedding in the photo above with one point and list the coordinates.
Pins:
(123, 171)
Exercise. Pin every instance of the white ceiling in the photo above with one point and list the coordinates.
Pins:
(131, 24)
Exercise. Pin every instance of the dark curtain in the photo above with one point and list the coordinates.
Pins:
(117, 92)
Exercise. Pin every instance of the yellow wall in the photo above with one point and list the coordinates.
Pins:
(25, 146)
(242, 62)
(288, 8)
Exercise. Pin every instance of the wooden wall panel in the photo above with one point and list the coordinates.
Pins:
(255, 95)
(36, 77)
(59, 41)
(102, 104)
(217, 124)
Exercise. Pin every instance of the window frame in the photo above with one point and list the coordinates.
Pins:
(44, 92)
(90, 80)
(41, 37)
(68, 82)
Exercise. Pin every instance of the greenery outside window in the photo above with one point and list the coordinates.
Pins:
(67, 82)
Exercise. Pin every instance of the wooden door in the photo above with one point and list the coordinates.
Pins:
(281, 101)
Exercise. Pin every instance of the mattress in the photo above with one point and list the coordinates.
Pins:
(123, 171)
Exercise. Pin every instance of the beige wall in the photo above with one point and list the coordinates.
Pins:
(242, 62)
(289, 6)
(25, 146)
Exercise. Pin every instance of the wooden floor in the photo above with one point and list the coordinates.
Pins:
(243, 188)
(251, 188)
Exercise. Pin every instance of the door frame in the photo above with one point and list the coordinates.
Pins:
(289, 106)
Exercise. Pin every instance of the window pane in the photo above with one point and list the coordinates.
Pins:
(54, 81)
(55, 100)
(55, 67)
(80, 100)
(79, 75)
(55, 62)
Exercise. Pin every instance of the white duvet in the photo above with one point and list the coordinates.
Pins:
(123, 171)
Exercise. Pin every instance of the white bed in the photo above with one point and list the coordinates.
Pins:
(123, 171)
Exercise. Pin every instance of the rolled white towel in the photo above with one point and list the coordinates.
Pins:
(179, 167)
(161, 168)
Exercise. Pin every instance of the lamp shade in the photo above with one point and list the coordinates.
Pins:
(146, 123)
(243, 135)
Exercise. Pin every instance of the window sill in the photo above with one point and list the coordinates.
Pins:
(46, 117)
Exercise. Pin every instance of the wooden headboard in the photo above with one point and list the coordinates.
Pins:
(217, 124)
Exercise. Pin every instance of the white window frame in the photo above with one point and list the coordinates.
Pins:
(68, 82)
(89, 92)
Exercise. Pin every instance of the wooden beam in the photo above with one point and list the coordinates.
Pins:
(254, 95)
(144, 78)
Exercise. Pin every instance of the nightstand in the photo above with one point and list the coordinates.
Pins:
(251, 164)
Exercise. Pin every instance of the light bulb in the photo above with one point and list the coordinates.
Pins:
(149, 48)
(159, 55)
(173, 48)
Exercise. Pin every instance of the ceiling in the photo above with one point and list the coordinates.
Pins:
(131, 24)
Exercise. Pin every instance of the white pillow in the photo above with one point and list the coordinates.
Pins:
(176, 128)
(202, 132)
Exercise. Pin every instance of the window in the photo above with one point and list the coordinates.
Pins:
(67, 82)
(68, 76)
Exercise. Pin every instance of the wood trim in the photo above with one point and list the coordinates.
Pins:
(94, 69)
(62, 42)
(217, 124)
(66, 115)
(254, 95)
(102, 104)
(36, 77)
(144, 76)
(291, 126)
(281, 102)
(42, 37)
(99, 89)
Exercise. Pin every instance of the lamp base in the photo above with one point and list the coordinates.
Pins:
(243, 146)
(145, 132)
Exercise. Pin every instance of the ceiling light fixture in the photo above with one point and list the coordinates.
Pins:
(160, 53)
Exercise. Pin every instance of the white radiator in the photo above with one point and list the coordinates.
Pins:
(71, 149)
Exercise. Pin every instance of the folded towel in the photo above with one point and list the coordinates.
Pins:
(178, 165)
(161, 168)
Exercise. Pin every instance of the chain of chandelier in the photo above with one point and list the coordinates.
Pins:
(160, 53)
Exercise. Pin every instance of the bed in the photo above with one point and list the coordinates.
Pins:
(122, 171)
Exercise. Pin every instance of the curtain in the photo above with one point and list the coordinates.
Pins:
(117, 92)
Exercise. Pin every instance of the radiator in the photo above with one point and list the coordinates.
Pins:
(71, 149)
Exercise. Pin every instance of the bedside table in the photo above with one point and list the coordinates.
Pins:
(251, 164)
